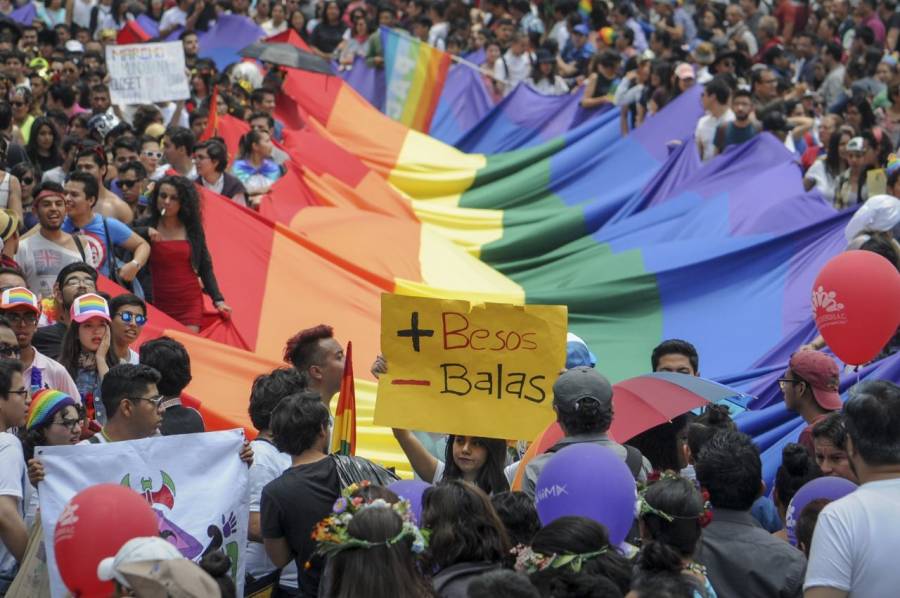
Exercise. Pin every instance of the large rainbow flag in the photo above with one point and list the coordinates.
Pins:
(416, 73)
(640, 239)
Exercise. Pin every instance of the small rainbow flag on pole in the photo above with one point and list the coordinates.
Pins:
(585, 7)
(343, 435)
(415, 74)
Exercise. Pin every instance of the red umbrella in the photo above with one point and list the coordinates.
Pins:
(639, 404)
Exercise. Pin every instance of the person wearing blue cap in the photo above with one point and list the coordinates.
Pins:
(577, 53)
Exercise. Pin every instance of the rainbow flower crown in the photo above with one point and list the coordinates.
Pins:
(332, 532)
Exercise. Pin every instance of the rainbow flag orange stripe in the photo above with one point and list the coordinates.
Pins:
(415, 74)
(343, 435)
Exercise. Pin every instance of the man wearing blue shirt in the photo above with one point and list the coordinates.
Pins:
(103, 235)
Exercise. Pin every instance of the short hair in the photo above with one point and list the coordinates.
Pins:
(297, 421)
(8, 367)
(126, 143)
(92, 150)
(865, 34)
(741, 93)
(120, 301)
(302, 349)
(675, 346)
(806, 522)
(99, 88)
(872, 420)
(268, 390)
(834, 50)
(259, 94)
(609, 58)
(218, 153)
(713, 420)
(91, 187)
(502, 583)
(268, 118)
(125, 381)
(797, 468)
(182, 137)
(185, 34)
(519, 516)
(134, 165)
(171, 359)
(730, 469)
(720, 90)
(831, 428)
(76, 267)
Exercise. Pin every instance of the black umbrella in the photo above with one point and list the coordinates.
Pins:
(287, 55)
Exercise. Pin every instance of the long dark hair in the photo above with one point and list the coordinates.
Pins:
(490, 478)
(32, 148)
(245, 147)
(797, 468)
(397, 575)
(579, 535)
(190, 213)
(833, 155)
(680, 499)
(464, 526)
(71, 350)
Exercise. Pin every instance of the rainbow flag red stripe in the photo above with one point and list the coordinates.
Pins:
(415, 74)
(343, 435)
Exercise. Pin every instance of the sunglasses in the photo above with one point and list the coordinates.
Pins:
(150, 154)
(127, 184)
(27, 180)
(128, 317)
(9, 350)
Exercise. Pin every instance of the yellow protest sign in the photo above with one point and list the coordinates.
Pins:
(473, 369)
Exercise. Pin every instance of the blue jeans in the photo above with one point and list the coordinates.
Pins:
(6, 579)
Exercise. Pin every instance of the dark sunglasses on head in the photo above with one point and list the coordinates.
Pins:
(127, 317)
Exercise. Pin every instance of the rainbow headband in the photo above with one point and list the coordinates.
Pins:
(44, 405)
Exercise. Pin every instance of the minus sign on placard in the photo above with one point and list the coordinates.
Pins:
(411, 382)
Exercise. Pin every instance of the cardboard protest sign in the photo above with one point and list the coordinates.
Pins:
(201, 502)
(461, 368)
(147, 73)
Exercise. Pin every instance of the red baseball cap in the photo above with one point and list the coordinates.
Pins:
(822, 373)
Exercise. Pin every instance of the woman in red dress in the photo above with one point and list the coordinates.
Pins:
(179, 254)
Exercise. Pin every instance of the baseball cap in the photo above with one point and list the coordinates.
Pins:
(581, 383)
(581, 28)
(822, 374)
(143, 549)
(171, 578)
(578, 353)
(44, 405)
(90, 306)
(857, 144)
(19, 297)
(684, 71)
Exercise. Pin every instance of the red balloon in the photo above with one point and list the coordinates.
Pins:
(856, 304)
(94, 525)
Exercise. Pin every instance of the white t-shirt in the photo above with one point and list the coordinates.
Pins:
(268, 464)
(512, 69)
(706, 132)
(173, 16)
(13, 482)
(41, 260)
(857, 541)
(81, 12)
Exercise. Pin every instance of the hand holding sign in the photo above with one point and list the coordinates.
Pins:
(481, 370)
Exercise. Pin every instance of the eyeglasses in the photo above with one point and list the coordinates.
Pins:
(23, 392)
(18, 104)
(157, 400)
(80, 282)
(782, 382)
(71, 424)
(27, 180)
(17, 319)
(127, 184)
(9, 351)
(128, 317)
(150, 154)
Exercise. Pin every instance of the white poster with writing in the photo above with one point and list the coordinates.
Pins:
(147, 73)
(195, 483)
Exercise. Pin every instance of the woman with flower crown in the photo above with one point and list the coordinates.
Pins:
(672, 514)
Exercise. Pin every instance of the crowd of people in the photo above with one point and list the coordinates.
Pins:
(89, 188)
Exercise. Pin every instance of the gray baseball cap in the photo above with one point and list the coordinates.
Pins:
(581, 383)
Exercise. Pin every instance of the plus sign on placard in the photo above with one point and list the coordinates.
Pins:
(414, 332)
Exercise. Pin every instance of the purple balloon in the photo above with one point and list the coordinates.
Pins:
(591, 481)
(411, 490)
(830, 487)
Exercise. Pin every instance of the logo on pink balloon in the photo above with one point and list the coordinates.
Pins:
(827, 310)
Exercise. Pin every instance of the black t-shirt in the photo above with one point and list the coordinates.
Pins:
(291, 505)
(327, 37)
(48, 339)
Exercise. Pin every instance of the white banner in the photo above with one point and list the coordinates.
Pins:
(146, 73)
(196, 484)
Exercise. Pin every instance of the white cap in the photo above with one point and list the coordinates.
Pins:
(73, 45)
(136, 550)
(879, 213)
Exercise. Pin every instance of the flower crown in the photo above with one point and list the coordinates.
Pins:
(645, 508)
(332, 532)
(528, 561)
